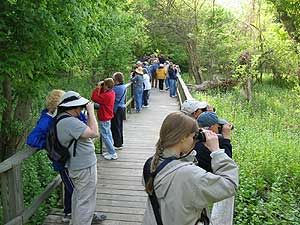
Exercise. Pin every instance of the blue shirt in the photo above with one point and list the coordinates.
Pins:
(120, 91)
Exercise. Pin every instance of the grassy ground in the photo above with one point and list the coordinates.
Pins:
(266, 144)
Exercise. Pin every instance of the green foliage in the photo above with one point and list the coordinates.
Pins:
(288, 13)
(37, 174)
(265, 146)
(217, 39)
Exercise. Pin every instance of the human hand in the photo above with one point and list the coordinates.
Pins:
(212, 141)
(226, 130)
(90, 107)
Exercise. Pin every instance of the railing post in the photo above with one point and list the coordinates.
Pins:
(12, 194)
(131, 96)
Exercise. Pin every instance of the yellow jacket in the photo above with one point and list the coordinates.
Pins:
(161, 73)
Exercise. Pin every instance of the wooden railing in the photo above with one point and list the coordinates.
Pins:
(222, 212)
(14, 212)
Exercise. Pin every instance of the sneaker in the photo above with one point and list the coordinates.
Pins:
(146, 106)
(111, 156)
(118, 148)
(67, 218)
(105, 153)
(99, 217)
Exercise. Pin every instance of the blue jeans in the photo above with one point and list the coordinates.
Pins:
(172, 87)
(167, 82)
(107, 136)
(138, 97)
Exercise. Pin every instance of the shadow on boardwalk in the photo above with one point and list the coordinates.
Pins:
(120, 194)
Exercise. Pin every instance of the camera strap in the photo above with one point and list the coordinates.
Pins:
(153, 198)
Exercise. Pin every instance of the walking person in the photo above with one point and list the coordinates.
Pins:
(82, 164)
(180, 191)
(105, 97)
(119, 110)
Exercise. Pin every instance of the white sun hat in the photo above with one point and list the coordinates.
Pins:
(72, 99)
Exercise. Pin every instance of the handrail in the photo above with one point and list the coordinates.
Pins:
(222, 212)
(16, 159)
(182, 91)
(11, 182)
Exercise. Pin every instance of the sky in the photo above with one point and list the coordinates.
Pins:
(232, 5)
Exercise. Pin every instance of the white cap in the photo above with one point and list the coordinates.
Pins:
(191, 105)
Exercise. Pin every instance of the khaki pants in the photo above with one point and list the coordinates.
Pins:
(84, 195)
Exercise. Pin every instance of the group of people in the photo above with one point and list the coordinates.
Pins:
(200, 171)
(78, 122)
(145, 75)
(188, 172)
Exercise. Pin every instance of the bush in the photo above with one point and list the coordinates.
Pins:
(265, 145)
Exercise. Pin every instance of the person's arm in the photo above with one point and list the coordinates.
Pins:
(92, 130)
(213, 187)
(226, 129)
(99, 97)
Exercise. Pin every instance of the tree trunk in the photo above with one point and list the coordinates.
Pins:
(6, 119)
(248, 89)
(194, 61)
(10, 136)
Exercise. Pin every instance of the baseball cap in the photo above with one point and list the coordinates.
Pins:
(191, 105)
(207, 119)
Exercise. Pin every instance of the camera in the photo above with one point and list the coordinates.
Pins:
(200, 136)
(220, 128)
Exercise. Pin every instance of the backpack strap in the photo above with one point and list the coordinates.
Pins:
(57, 119)
(153, 198)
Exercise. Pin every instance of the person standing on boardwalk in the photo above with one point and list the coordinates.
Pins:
(210, 121)
(147, 88)
(37, 139)
(161, 74)
(105, 97)
(82, 164)
(138, 87)
(182, 190)
(119, 110)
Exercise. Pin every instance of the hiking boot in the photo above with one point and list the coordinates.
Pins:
(67, 218)
(111, 156)
(98, 217)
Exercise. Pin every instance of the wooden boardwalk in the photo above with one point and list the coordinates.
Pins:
(120, 194)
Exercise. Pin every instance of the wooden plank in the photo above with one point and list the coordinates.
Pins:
(116, 197)
(123, 210)
(42, 197)
(16, 159)
(131, 204)
(222, 212)
(12, 195)
(122, 192)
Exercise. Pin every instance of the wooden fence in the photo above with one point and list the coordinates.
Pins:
(14, 212)
(222, 212)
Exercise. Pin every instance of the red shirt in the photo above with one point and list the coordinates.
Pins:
(106, 100)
